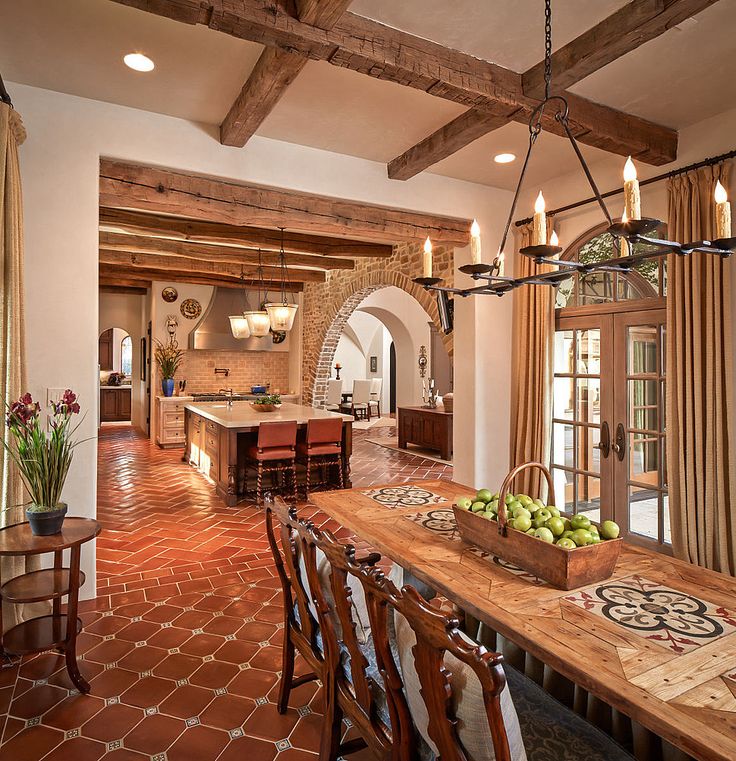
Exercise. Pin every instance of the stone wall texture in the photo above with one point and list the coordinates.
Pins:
(328, 305)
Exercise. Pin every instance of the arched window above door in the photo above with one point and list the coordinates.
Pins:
(645, 281)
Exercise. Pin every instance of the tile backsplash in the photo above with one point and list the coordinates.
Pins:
(246, 369)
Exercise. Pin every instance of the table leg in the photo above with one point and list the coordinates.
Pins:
(70, 646)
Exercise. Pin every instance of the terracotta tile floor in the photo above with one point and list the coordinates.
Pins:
(182, 644)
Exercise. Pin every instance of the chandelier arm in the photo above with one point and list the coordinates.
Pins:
(597, 193)
(532, 140)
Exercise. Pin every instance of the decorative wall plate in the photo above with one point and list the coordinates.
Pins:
(169, 294)
(191, 309)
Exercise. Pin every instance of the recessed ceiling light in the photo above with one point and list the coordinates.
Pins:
(504, 158)
(139, 62)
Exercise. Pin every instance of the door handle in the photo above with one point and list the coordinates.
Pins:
(604, 444)
(619, 445)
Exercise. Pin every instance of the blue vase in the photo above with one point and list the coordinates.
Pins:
(167, 384)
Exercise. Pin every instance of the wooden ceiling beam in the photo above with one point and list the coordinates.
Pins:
(112, 273)
(217, 232)
(274, 71)
(134, 186)
(142, 244)
(371, 48)
(623, 31)
(211, 268)
(133, 287)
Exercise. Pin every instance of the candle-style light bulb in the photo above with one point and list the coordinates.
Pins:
(500, 261)
(632, 196)
(475, 242)
(723, 212)
(553, 239)
(539, 223)
(427, 259)
(623, 243)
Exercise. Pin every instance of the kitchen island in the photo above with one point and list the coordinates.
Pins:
(218, 436)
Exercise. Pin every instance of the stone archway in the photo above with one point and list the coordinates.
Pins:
(327, 309)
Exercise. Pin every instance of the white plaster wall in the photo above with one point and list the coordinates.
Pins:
(60, 171)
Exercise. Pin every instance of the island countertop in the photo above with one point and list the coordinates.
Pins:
(242, 415)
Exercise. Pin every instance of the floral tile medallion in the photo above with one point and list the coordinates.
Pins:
(394, 497)
(510, 567)
(441, 521)
(675, 620)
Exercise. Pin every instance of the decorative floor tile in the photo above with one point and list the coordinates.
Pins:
(440, 521)
(672, 619)
(187, 593)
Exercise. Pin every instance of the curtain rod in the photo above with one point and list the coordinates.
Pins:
(4, 97)
(658, 178)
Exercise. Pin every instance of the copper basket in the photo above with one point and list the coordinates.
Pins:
(566, 569)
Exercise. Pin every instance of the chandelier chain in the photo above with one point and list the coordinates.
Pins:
(547, 47)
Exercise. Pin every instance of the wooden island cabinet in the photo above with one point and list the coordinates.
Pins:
(218, 436)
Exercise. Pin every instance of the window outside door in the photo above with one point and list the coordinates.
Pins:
(608, 448)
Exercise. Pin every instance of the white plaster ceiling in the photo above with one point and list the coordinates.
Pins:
(76, 46)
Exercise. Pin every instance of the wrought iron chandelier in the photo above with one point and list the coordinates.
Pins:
(282, 313)
(239, 322)
(630, 230)
(259, 322)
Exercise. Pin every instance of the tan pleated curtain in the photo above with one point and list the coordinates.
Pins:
(12, 339)
(532, 363)
(700, 397)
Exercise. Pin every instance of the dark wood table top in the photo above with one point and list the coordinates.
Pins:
(18, 539)
(428, 410)
(657, 640)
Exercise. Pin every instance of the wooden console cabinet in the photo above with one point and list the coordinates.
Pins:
(426, 427)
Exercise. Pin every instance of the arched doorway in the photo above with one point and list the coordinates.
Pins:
(317, 373)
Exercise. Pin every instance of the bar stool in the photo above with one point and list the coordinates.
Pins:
(322, 446)
(275, 452)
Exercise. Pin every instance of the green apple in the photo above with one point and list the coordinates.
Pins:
(544, 534)
(543, 513)
(593, 528)
(555, 512)
(556, 525)
(531, 531)
(568, 525)
(525, 499)
(594, 538)
(523, 522)
(581, 537)
(493, 506)
(494, 497)
(521, 511)
(509, 498)
(538, 502)
(580, 521)
(539, 521)
(478, 507)
(610, 530)
(464, 503)
(566, 543)
(511, 523)
(567, 534)
(483, 495)
(513, 506)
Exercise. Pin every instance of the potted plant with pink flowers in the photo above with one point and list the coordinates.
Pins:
(43, 457)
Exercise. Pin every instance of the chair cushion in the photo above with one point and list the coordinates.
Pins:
(317, 449)
(272, 453)
(360, 608)
(552, 731)
(467, 697)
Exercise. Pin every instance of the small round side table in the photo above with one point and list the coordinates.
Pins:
(57, 630)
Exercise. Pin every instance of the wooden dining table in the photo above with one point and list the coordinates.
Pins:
(656, 641)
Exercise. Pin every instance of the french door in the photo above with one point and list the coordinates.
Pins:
(608, 430)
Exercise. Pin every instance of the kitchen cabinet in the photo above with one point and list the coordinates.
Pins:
(170, 421)
(105, 350)
(115, 404)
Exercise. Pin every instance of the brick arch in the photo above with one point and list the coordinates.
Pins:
(336, 313)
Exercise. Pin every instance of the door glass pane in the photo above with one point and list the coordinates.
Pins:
(564, 398)
(589, 400)
(643, 350)
(644, 511)
(597, 288)
(589, 352)
(644, 405)
(564, 490)
(563, 445)
(589, 496)
(644, 458)
(564, 351)
(589, 457)
(666, 511)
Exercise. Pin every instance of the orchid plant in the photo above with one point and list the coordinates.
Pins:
(43, 458)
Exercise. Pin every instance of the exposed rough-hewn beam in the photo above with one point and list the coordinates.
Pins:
(112, 273)
(379, 51)
(133, 287)
(447, 140)
(625, 30)
(139, 187)
(142, 244)
(184, 264)
(274, 71)
(217, 232)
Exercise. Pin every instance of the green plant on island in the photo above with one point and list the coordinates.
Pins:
(268, 399)
(169, 358)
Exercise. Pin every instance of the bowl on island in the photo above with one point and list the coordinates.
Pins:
(266, 403)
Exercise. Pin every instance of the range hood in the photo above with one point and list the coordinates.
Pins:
(213, 330)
